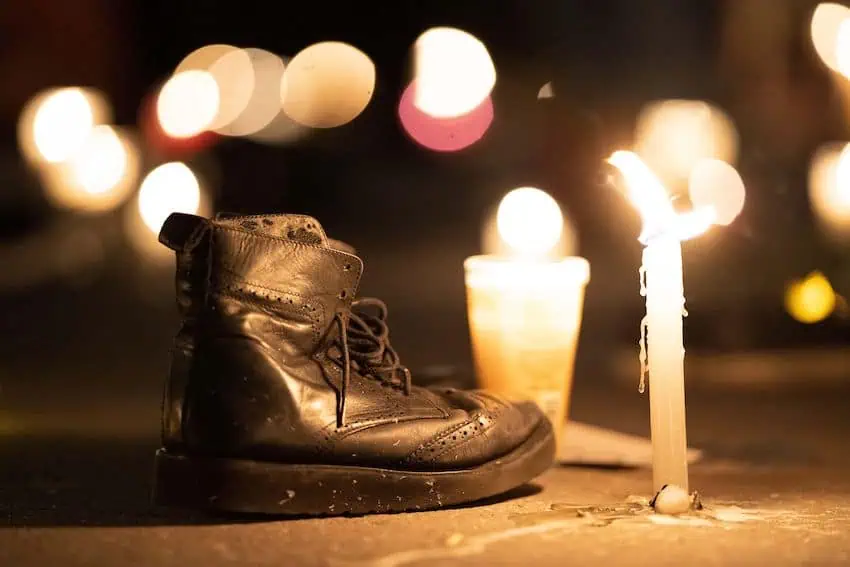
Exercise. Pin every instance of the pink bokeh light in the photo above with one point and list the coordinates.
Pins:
(443, 134)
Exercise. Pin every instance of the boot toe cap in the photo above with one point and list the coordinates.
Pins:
(492, 427)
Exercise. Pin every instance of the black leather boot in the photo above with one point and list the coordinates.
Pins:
(286, 397)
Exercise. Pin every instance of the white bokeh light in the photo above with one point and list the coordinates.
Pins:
(263, 102)
(672, 136)
(716, 184)
(99, 176)
(828, 31)
(829, 190)
(454, 72)
(101, 163)
(188, 103)
(62, 123)
(529, 221)
(171, 187)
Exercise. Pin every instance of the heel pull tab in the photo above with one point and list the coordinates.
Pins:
(182, 232)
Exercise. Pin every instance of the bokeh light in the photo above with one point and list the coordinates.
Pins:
(673, 135)
(144, 217)
(55, 123)
(842, 48)
(493, 244)
(810, 300)
(546, 91)
(530, 222)
(829, 190)
(203, 58)
(716, 184)
(171, 187)
(234, 74)
(263, 105)
(99, 176)
(454, 73)
(62, 123)
(829, 33)
(281, 129)
(327, 84)
(443, 134)
(188, 103)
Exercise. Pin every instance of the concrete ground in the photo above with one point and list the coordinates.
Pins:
(781, 459)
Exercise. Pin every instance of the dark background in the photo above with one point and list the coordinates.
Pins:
(87, 321)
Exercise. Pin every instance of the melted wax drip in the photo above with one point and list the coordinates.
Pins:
(644, 364)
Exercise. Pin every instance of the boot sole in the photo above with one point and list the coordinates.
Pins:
(326, 490)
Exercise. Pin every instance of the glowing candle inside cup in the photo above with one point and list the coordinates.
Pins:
(662, 345)
(525, 307)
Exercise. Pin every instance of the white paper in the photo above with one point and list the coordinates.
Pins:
(584, 444)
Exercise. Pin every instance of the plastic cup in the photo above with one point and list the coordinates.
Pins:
(524, 322)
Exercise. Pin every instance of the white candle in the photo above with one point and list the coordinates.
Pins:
(662, 268)
(661, 329)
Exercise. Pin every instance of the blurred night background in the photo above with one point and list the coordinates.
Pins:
(86, 294)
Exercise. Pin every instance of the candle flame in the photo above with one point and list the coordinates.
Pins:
(650, 197)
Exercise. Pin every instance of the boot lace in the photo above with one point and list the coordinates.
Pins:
(362, 338)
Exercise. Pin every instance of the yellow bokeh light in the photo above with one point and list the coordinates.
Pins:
(327, 84)
(454, 72)
(55, 123)
(829, 189)
(98, 176)
(828, 33)
(188, 103)
(811, 300)
(672, 136)
(171, 187)
(529, 221)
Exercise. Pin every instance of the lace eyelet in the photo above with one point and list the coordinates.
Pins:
(346, 267)
(343, 294)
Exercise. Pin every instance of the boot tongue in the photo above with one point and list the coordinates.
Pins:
(299, 228)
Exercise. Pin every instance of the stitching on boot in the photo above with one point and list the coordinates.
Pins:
(235, 289)
(294, 226)
(233, 280)
(466, 439)
(351, 259)
(430, 451)
(332, 251)
(364, 423)
(439, 436)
